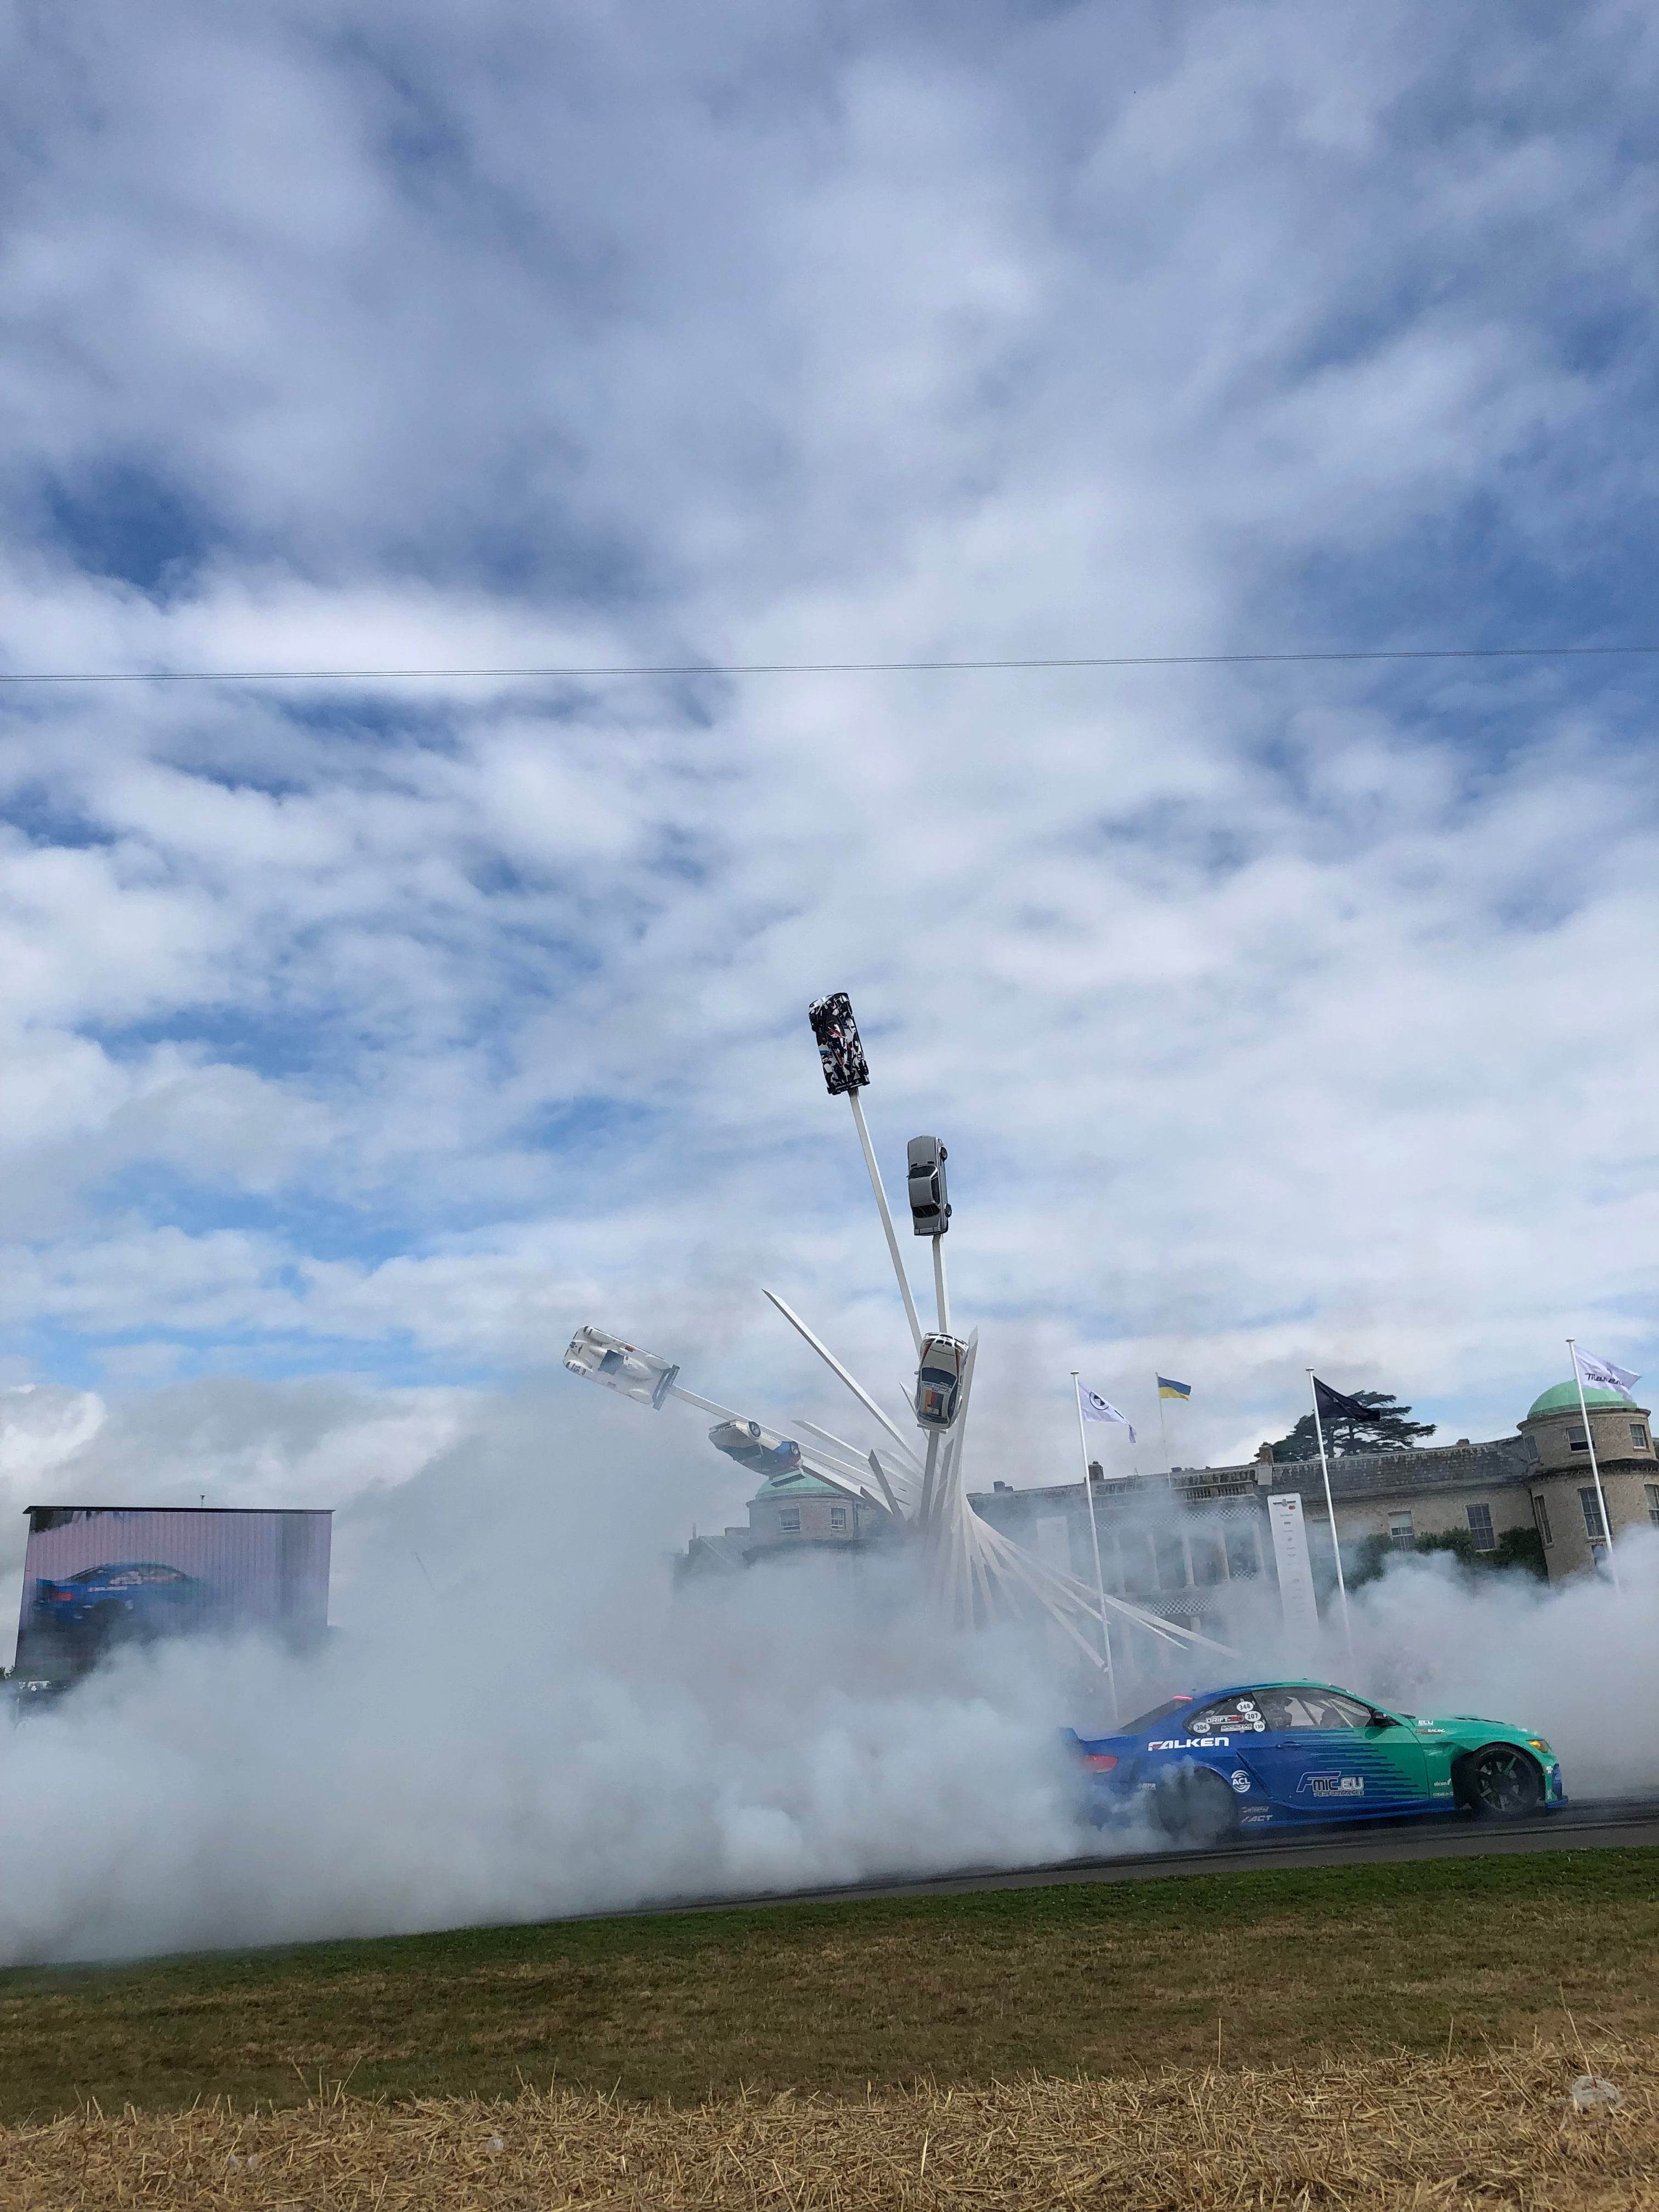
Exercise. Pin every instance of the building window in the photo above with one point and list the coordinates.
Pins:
(1401, 1534)
(1595, 1527)
(1577, 1440)
(1171, 1561)
(1209, 1564)
(789, 1517)
(1638, 1435)
(1136, 1554)
(1652, 1489)
(1540, 1514)
(1243, 1560)
(1481, 1528)
(837, 1516)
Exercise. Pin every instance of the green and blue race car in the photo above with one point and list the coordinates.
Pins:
(1210, 1764)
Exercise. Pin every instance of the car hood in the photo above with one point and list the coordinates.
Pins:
(1464, 1724)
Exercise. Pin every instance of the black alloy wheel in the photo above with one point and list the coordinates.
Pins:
(1502, 1783)
(106, 1624)
(1196, 1806)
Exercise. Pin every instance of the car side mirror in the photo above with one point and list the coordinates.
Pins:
(1383, 1720)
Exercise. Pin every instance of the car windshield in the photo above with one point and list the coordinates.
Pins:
(1152, 1719)
(941, 1378)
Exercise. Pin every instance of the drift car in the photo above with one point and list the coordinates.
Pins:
(134, 1597)
(1283, 1755)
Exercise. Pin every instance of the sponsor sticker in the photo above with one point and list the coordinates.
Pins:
(1331, 1785)
(1240, 1780)
(1190, 1743)
(1253, 1820)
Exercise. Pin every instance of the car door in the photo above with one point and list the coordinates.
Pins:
(1325, 1759)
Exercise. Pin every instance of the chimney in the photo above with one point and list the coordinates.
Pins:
(1097, 1472)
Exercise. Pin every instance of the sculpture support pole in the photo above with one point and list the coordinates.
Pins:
(886, 1217)
(940, 1292)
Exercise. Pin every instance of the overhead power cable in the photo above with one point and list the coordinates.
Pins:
(646, 669)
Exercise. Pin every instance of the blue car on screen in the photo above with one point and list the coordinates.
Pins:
(135, 1598)
(1211, 1763)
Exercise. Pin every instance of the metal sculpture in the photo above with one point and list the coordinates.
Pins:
(977, 1574)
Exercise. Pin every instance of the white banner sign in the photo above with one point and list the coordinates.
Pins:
(1296, 1586)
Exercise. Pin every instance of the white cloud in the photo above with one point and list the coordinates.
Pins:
(1270, 1015)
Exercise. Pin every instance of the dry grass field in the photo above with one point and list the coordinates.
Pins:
(1496, 2130)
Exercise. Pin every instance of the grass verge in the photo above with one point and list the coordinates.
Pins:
(1496, 2129)
(1298, 1967)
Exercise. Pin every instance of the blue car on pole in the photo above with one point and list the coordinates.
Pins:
(1211, 1765)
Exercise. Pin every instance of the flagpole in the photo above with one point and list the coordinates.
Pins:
(1330, 1507)
(1162, 1433)
(1596, 1471)
(1094, 1538)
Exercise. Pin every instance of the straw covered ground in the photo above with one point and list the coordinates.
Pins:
(1500, 2129)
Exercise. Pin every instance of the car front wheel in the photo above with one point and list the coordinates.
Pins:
(1500, 1784)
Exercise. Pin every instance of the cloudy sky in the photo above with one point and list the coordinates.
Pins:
(365, 1036)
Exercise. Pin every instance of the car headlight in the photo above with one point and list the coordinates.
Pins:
(1539, 1744)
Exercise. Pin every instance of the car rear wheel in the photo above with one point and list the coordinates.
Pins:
(1500, 1783)
(1196, 1806)
(106, 1624)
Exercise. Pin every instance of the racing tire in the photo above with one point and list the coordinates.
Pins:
(1499, 1783)
(106, 1624)
(1196, 1807)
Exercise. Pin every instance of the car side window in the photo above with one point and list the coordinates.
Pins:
(1298, 1713)
(1344, 1712)
(1239, 1716)
(1320, 1709)
(1274, 1707)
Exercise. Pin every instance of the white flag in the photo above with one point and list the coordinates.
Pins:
(1094, 1407)
(1602, 1374)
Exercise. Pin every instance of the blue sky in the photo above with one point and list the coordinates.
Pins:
(372, 1035)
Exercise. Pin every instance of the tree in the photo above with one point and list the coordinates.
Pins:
(1390, 1428)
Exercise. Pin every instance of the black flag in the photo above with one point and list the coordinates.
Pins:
(1333, 1407)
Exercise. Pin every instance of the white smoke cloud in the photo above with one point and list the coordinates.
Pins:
(515, 1719)
(473, 1760)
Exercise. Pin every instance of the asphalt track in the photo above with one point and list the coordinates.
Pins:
(1596, 1824)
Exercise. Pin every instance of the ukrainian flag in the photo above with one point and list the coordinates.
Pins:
(1166, 1389)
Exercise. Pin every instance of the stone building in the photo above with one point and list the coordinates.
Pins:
(789, 1513)
(1565, 1509)
(1539, 1479)
(1192, 1545)
(1188, 1545)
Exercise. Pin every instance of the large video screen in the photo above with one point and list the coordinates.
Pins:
(97, 1578)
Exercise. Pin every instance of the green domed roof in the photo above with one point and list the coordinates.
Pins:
(1563, 1398)
(801, 1484)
